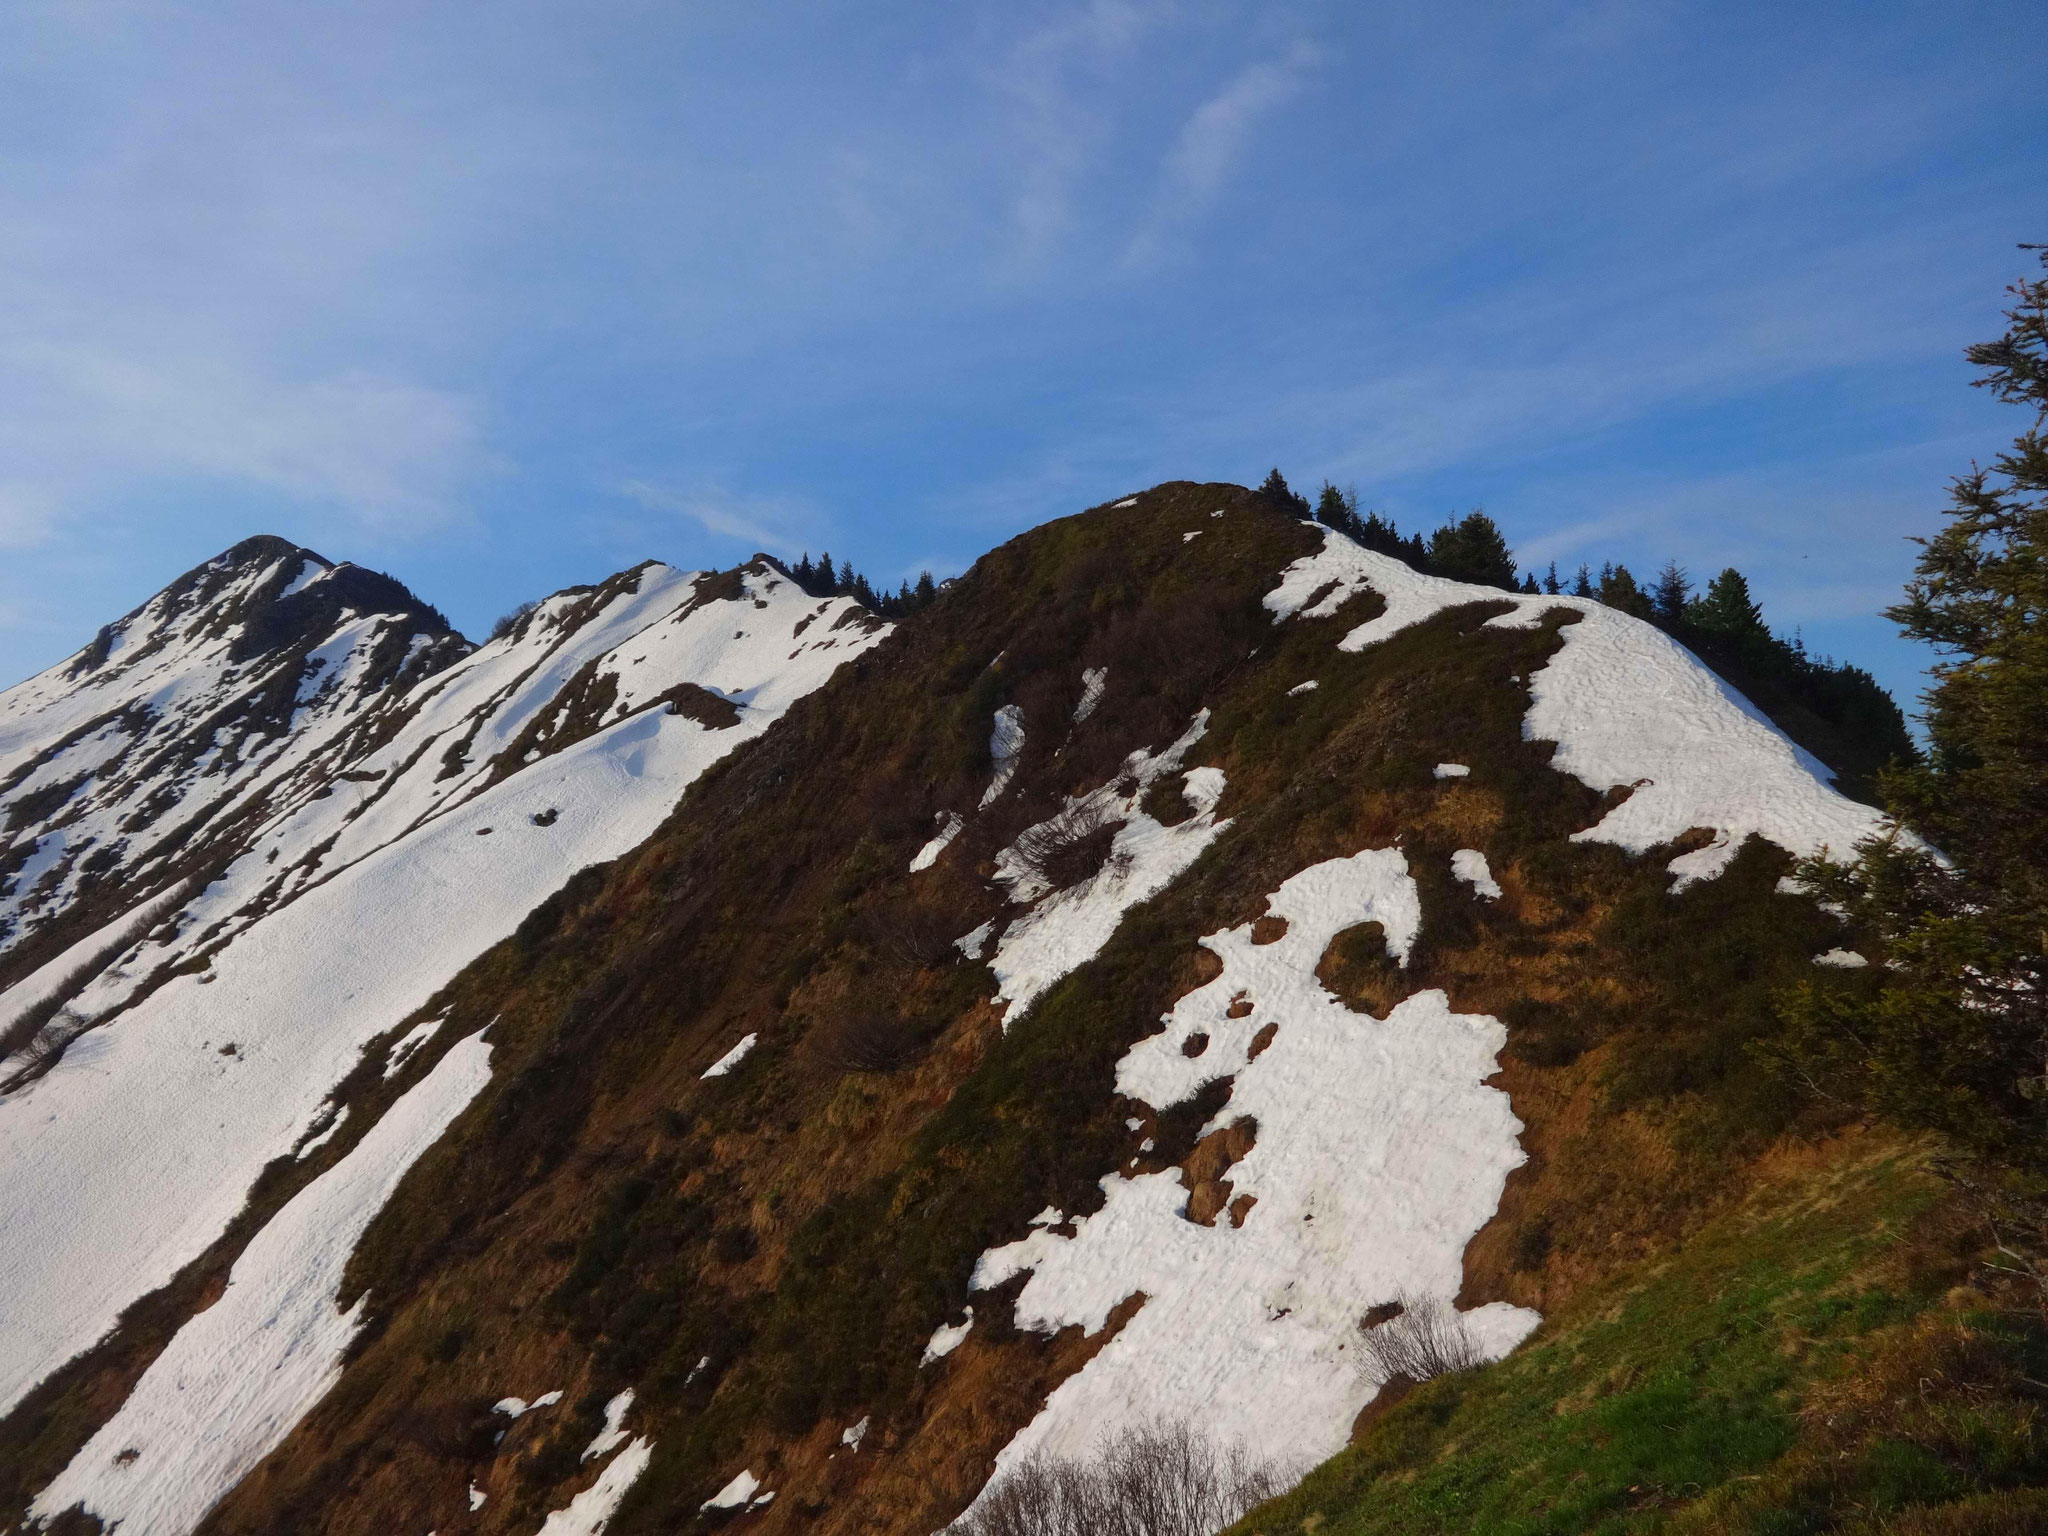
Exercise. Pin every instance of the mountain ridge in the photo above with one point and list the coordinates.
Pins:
(760, 1105)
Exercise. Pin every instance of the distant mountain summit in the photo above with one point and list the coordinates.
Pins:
(142, 762)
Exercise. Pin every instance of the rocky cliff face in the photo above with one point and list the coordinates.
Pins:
(1189, 936)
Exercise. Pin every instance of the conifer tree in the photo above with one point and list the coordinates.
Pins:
(1582, 584)
(806, 574)
(1275, 489)
(1618, 589)
(1727, 610)
(1953, 1036)
(1550, 582)
(1672, 592)
(1472, 549)
(926, 588)
(1333, 510)
(828, 580)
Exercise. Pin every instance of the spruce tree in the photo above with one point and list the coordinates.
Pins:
(1618, 589)
(1582, 584)
(1727, 611)
(1550, 582)
(1670, 595)
(1954, 1035)
(1332, 511)
(1275, 489)
(1472, 549)
(926, 588)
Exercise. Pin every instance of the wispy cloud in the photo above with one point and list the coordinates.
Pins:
(391, 455)
(1212, 144)
(1054, 123)
(778, 525)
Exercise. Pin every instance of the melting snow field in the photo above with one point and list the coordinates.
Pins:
(236, 1378)
(1062, 930)
(1380, 1151)
(137, 1149)
(1626, 705)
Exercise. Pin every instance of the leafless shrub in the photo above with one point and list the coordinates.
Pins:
(1067, 848)
(1425, 1337)
(869, 1041)
(27, 1057)
(1165, 1479)
(910, 934)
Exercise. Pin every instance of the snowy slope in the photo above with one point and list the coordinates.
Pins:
(243, 1372)
(1627, 706)
(120, 766)
(351, 907)
(1379, 1151)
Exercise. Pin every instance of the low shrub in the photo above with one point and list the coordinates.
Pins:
(1165, 1479)
(1426, 1337)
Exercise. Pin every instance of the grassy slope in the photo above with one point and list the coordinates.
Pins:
(1805, 1362)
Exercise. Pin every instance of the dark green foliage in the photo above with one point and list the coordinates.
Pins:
(1618, 589)
(1472, 549)
(1956, 1037)
(1671, 594)
(1275, 489)
(1727, 612)
(826, 580)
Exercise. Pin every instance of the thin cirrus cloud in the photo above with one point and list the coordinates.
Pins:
(777, 526)
(1213, 145)
(388, 452)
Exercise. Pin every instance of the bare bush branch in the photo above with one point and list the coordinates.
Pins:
(1065, 849)
(1424, 1338)
(1165, 1479)
(869, 1041)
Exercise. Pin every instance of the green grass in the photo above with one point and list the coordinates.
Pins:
(1673, 1398)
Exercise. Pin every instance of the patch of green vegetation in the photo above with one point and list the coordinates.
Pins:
(1793, 1368)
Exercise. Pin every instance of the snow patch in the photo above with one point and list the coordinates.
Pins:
(324, 1136)
(735, 1493)
(416, 1037)
(1626, 705)
(1093, 681)
(1842, 959)
(1005, 742)
(1380, 1151)
(1469, 865)
(519, 1407)
(731, 1058)
(945, 1339)
(854, 1434)
(614, 1426)
(237, 1376)
(1300, 688)
(928, 855)
(591, 1510)
(1452, 771)
(1063, 929)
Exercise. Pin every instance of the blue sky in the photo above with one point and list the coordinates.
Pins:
(501, 297)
